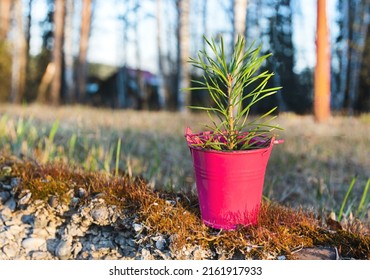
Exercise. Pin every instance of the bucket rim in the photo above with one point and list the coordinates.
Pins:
(235, 152)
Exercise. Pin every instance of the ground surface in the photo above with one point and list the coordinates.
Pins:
(307, 180)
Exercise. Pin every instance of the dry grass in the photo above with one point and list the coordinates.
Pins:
(281, 230)
(312, 169)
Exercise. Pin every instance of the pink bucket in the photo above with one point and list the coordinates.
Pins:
(230, 185)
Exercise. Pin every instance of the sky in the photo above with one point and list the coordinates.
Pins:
(106, 41)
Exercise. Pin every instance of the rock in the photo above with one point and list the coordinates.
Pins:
(120, 240)
(11, 204)
(24, 198)
(100, 215)
(41, 233)
(42, 217)
(40, 255)
(53, 201)
(74, 202)
(316, 253)
(75, 230)
(81, 193)
(171, 202)
(64, 249)
(7, 187)
(160, 243)
(131, 242)
(4, 196)
(28, 219)
(165, 256)
(200, 254)
(6, 237)
(34, 244)
(15, 229)
(76, 218)
(105, 244)
(137, 227)
(76, 249)
(5, 214)
(14, 182)
(11, 250)
(146, 255)
(86, 222)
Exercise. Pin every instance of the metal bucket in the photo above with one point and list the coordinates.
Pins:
(230, 185)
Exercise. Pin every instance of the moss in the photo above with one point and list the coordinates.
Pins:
(280, 230)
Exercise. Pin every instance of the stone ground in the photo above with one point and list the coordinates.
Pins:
(36, 230)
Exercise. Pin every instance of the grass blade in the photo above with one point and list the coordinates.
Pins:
(118, 152)
(364, 198)
(346, 198)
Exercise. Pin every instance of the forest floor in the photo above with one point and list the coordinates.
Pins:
(314, 194)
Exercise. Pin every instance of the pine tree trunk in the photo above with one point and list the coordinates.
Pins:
(322, 71)
(56, 85)
(5, 7)
(81, 71)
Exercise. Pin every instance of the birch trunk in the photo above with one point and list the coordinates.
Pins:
(160, 74)
(239, 26)
(68, 52)
(143, 97)
(204, 21)
(183, 45)
(19, 54)
(239, 18)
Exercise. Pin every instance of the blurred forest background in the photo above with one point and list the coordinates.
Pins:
(48, 50)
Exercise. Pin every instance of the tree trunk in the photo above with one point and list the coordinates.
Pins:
(28, 70)
(239, 25)
(359, 29)
(121, 81)
(19, 56)
(363, 102)
(183, 45)
(56, 85)
(345, 54)
(5, 7)
(204, 22)
(322, 71)
(46, 80)
(81, 71)
(68, 52)
(239, 18)
(142, 93)
(160, 74)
